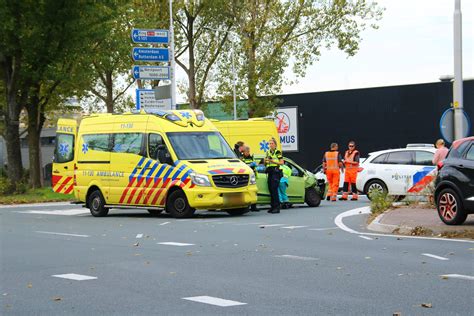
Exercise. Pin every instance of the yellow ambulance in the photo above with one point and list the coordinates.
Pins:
(254, 132)
(175, 161)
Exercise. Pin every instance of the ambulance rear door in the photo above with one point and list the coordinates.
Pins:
(64, 156)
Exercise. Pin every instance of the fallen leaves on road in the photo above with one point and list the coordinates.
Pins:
(426, 305)
(57, 298)
(444, 277)
(136, 244)
(397, 314)
(189, 253)
(29, 285)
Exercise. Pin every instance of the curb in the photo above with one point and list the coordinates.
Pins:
(36, 204)
(377, 226)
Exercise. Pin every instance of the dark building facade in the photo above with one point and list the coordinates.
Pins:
(375, 118)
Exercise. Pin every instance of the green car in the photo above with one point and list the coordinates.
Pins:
(303, 187)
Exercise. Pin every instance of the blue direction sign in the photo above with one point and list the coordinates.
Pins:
(151, 72)
(150, 54)
(150, 36)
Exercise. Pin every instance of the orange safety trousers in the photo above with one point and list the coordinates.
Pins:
(333, 176)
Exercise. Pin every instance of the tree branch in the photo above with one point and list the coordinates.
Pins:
(123, 91)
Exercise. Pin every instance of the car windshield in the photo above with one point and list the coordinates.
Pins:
(200, 145)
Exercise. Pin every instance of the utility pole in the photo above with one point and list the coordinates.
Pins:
(172, 61)
(458, 83)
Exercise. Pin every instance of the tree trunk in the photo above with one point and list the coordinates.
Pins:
(34, 149)
(192, 65)
(109, 87)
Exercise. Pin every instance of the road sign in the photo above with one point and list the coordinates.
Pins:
(150, 54)
(162, 92)
(145, 99)
(150, 36)
(151, 72)
(446, 125)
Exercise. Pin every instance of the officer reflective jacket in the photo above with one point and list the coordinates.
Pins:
(276, 155)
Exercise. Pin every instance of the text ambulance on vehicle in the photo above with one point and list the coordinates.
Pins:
(175, 161)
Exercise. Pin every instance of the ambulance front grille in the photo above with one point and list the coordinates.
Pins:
(231, 180)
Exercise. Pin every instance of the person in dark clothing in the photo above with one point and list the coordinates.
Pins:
(273, 161)
(249, 160)
(239, 149)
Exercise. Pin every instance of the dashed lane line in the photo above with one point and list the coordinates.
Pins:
(321, 229)
(213, 301)
(294, 227)
(139, 236)
(434, 256)
(366, 210)
(271, 225)
(172, 243)
(61, 234)
(75, 277)
(165, 223)
(297, 257)
(37, 204)
(458, 276)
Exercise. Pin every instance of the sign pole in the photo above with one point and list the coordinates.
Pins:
(172, 61)
(457, 85)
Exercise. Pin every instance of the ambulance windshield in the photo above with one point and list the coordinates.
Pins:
(200, 145)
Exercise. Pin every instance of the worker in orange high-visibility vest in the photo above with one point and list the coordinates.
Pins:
(351, 164)
(332, 164)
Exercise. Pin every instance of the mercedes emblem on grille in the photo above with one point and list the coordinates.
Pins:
(234, 180)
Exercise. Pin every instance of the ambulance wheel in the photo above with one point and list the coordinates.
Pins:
(312, 198)
(238, 211)
(154, 212)
(97, 204)
(177, 205)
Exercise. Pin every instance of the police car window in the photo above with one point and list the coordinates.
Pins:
(64, 151)
(98, 142)
(380, 159)
(399, 158)
(129, 143)
(154, 140)
(424, 158)
(470, 153)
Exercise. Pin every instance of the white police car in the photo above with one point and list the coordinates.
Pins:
(397, 172)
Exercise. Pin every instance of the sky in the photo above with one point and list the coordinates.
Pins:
(414, 44)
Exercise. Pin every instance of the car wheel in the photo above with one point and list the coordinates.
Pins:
(449, 207)
(312, 198)
(154, 212)
(97, 204)
(238, 211)
(374, 187)
(177, 205)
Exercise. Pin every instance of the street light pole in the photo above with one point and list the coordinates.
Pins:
(457, 85)
(172, 61)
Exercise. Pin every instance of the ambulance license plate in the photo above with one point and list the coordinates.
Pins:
(233, 198)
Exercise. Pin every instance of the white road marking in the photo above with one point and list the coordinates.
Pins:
(165, 223)
(171, 243)
(434, 256)
(293, 227)
(296, 257)
(319, 229)
(459, 276)
(213, 301)
(366, 210)
(139, 236)
(37, 204)
(73, 276)
(365, 237)
(272, 225)
(243, 224)
(61, 234)
(58, 212)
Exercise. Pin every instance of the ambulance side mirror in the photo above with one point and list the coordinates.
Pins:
(163, 155)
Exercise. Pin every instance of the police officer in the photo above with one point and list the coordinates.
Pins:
(273, 161)
(248, 159)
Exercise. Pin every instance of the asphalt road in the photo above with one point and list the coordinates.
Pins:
(294, 263)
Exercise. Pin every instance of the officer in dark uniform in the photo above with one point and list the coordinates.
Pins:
(248, 159)
(273, 161)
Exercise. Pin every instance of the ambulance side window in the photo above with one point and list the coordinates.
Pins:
(154, 140)
(64, 151)
(129, 143)
(98, 142)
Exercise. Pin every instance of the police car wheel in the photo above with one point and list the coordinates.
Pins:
(312, 198)
(177, 205)
(238, 211)
(375, 187)
(97, 204)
